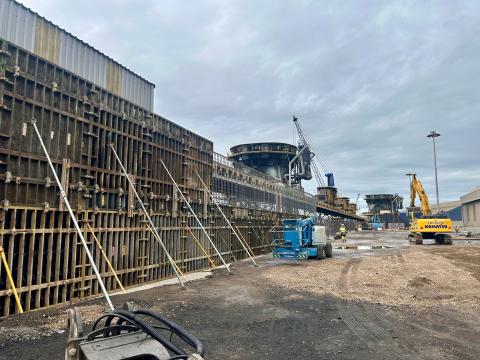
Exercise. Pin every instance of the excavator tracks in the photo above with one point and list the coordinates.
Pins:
(440, 239)
(415, 238)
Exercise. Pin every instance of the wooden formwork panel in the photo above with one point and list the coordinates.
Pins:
(50, 266)
(78, 121)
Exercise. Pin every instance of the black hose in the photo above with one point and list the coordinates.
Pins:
(132, 317)
(148, 329)
(107, 316)
(113, 330)
(177, 329)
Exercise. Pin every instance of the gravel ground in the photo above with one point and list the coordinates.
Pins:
(414, 277)
(401, 302)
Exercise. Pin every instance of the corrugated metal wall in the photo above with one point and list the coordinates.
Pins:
(25, 28)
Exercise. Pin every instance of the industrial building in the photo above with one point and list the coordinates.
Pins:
(464, 213)
(453, 210)
(383, 210)
(471, 210)
(88, 108)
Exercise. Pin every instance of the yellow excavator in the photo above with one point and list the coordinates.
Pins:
(428, 226)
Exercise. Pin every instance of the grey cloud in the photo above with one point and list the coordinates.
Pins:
(368, 79)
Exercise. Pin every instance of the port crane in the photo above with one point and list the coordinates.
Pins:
(428, 226)
(303, 141)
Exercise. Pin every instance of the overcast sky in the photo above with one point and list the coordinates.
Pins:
(367, 79)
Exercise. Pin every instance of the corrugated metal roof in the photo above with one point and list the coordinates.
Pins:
(34, 33)
(473, 195)
(447, 205)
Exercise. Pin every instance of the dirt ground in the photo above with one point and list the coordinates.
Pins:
(398, 301)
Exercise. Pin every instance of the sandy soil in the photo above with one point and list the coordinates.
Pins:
(403, 302)
(417, 277)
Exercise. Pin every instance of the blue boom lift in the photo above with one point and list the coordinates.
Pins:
(302, 239)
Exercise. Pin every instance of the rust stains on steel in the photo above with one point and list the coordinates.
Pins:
(47, 40)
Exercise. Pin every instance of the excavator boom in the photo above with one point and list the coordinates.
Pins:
(417, 189)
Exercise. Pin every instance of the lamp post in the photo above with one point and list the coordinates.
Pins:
(433, 134)
(412, 206)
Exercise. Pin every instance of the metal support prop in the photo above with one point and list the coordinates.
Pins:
(201, 247)
(229, 247)
(153, 229)
(10, 280)
(72, 216)
(150, 228)
(259, 238)
(106, 258)
(225, 217)
(195, 215)
(267, 245)
(244, 240)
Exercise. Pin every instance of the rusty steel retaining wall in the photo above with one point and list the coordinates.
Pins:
(78, 120)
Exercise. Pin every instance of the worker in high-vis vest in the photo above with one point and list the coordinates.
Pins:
(343, 232)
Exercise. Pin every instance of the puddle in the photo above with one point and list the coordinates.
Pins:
(362, 247)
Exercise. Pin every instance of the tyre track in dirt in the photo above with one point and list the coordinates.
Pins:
(370, 325)
(459, 335)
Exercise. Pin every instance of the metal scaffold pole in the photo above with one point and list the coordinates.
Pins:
(195, 215)
(259, 237)
(104, 254)
(149, 219)
(74, 219)
(225, 217)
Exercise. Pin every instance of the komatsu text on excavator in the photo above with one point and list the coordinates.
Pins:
(428, 226)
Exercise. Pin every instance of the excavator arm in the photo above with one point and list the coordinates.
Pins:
(416, 188)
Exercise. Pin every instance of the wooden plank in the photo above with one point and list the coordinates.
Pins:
(58, 251)
(21, 251)
(31, 255)
(66, 257)
(3, 240)
(40, 259)
(10, 261)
